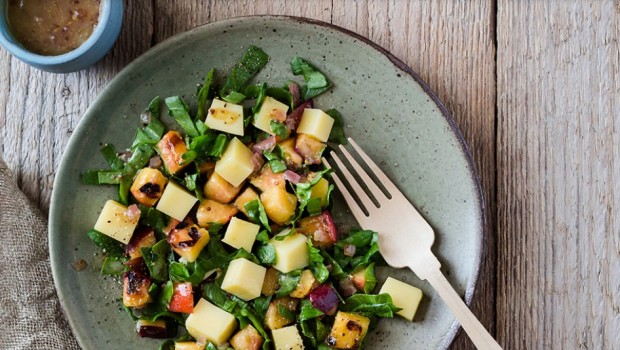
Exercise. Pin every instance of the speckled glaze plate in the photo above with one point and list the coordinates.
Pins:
(387, 108)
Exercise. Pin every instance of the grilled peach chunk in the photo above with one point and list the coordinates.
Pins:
(291, 157)
(306, 283)
(270, 283)
(320, 228)
(143, 237)
(136, 284)
(187, 239)
(213, 212)
(247, 339)
(267, 179)
(220, 190)
(309, 148)
(244, 198)
(148, 186)
(348, 331)
(171, 150)
(279, 205)
(274, 319)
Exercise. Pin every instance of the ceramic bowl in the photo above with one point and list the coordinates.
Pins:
(91, 51)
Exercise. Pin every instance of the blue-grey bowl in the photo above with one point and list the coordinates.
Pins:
(91, 51)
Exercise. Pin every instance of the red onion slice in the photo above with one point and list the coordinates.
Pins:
(257, 161)
(293, 88)
(293, 119)
(349, 249)
(292, 177)
(266, 145)
(133, 212)
(155, 162)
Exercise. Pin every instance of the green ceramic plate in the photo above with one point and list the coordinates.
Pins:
(390, 112)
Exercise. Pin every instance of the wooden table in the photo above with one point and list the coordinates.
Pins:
(534, 86)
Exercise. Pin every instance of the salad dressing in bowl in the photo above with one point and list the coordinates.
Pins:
(52, 27)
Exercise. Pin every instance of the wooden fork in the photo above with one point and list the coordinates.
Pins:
(405, 238)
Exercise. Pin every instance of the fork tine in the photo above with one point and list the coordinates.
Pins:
(385, 181)
(359, 191)
(372, 186)
(355, 208)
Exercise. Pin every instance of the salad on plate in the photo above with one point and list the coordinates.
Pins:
(222, 233)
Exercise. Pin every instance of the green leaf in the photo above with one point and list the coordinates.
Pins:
(219, 146)
(261, 304)
(110, 246)
(155, 258)
(308, 311)
(242, 253)
(371, 279)
(166, 293)
(314, 206)
(279, 129)
(260, 92)
(256, 322)
(337, 272)
(370, 305)
(276, 164)
(153, 218)
(337, 133)
(262, 236)
(113, 266)
(251, 63)
(203, 95)
(179, 111)
(234, 97)
(111, 156)
(286, 313)
(281, 94)
(256, 213)
(316, 82)
(190, 181)
(266, 254)
(315, 261)
(288, 282)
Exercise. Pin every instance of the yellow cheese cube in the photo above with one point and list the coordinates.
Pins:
(244, 279)
(319, 190)
(404, 296)
(241, 234)
(210, 323)
(316, 123)
(235, 165)
(176, 202)
(114, 222)
(291, 252)
(287, 338)
(271, 109)
(226, 117)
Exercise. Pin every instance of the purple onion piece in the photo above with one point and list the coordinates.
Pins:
(293, 119)
(293, 88)
(349, 249)
(347, 287)
(292, 177)
(155, 162)
(325, 298)
(266, 145)
(257, 161)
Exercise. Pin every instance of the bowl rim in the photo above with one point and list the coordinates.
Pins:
(12, 45)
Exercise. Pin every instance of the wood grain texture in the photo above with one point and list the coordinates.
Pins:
(558, 174)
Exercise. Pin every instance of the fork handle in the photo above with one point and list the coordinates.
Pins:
(472, 326)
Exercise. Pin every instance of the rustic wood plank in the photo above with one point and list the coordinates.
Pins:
(41, 109)
(450, 45)
(558, 170)
(317, 9)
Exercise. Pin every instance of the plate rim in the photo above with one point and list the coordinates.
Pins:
(63, 167)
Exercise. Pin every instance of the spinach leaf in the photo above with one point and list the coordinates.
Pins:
(276, 164)
(266, 254)
(179, 111)
(336, 271)
(262, 236)
(337, 133)
(153, 131)
(153, 218)
(113, 266)
(279, 129)
(111, 156)
(370, 305)
(166, 293)
(219, 146)
(303, 191)
(308, 311)
(256, 322)
(288, 282)
(234, 97)
(315, 261)
(281, 94)
(110, 246)
(316, 82)
(203, 95)
(242, 253)
(256, 213)
(155, 258)
(314, 206)
(286, 313)
(261, 304)
(251, 63)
